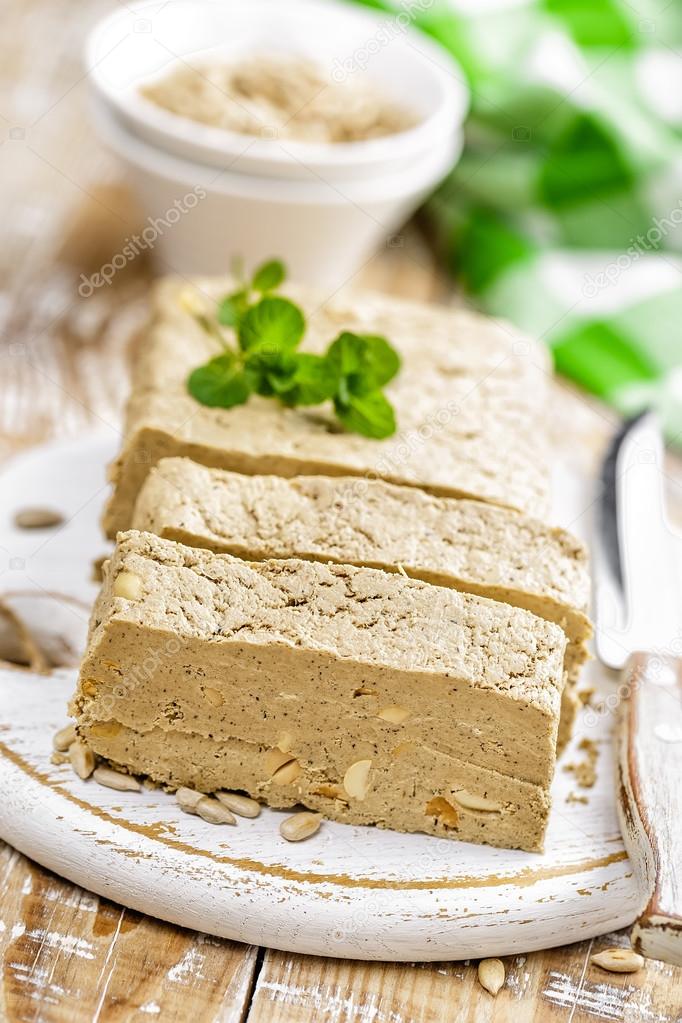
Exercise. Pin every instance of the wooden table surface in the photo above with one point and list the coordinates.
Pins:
(67, 955)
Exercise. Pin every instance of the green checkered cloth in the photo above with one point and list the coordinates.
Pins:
(564, 214)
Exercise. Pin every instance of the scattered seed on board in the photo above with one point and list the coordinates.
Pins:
(618, 960)
(82, 759)
(243, 806)
(38, 518)
(64, 738)
(187, 799)
(300, 826)
(491, 975)
(214, 812)
(116, 779)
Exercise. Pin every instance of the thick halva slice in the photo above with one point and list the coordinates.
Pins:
(470, 402)
(368, 696)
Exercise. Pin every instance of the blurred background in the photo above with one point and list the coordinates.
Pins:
(541, 182)
(564, 212)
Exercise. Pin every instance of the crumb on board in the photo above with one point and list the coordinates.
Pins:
(585, 770)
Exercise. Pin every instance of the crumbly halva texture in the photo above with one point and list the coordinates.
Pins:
(470, 404)
(570, 705)
(399, 796)
(464, 544)
(365, 695)
(470, 546)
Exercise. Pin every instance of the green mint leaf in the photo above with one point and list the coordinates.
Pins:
(296, 378)
(271, 323)
(222, 382)
(232, 308)
(380, 362)
(268, 276)
(366, 361)
(269, 366)
(342, 392)
(269, 329)
(370, 414)
(346, 353)
(309, 380)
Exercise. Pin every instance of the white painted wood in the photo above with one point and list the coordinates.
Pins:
(349, 891)
(649, 801)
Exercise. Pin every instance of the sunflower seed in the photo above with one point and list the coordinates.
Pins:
(214, 812)
(243, 806)
(62, 739)
(38, 518)
(116, 779)
(188, 798)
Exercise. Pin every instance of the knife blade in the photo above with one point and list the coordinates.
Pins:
(638, 591)
(638, 606)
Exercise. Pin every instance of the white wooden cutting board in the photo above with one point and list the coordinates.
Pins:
(349, 891)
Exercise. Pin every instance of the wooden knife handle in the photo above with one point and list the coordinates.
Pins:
(650, 797)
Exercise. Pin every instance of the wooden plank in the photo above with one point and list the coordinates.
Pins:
(69, 956)
(557, 985)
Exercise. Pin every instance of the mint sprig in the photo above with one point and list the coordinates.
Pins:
(274, 323)
(370, 414)
(222, 382)
(265, 359)
(268, 276)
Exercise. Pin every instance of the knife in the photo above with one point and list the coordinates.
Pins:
(638, 610)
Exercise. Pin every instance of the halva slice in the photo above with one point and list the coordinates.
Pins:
(468, 545)
(367, 696)
(470, 402)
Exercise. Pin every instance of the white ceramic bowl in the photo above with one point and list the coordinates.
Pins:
(200, 218)
(323, 208)
(142, 43)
